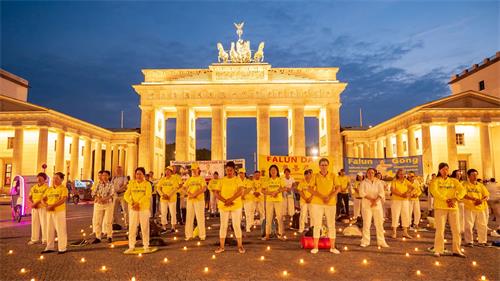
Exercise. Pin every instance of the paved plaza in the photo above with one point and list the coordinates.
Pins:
(198, 262)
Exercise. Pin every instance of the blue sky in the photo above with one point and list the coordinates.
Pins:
(81, 58)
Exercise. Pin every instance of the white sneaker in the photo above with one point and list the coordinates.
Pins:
(363, 245)
(384, 245)
(314, 251)
(129, 251)
(335, 251)
(494, 233)
(248, 231)
(31, 242)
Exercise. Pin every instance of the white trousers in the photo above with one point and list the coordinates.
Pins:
(213, 203)
(39, 220)
(249, 214)
(136, 218)
(120, 209)
(415, 210)
(357, 207)
(166, 207)
(288, 205)
(376, 213)
(478, 219)
(461, 219)
(195, 208)
(102, 219)
(329, 212)
(440, 218)
(56, 223)
(400, 208)
(224, 222)
(271, 208)
(305, 211)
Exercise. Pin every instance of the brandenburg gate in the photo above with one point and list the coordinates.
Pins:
(241, 84)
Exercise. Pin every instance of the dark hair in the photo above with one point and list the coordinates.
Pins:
(470, 171)
(106, 172)
(324, 160)
(230, 164)
(454, 173)
(287, 170)
(492, 180)
(441, 166)
(60, 174)
(100, 172)
(141, 169)
(375, 171)
(277, 169)
(308, 171)
(216, 173)
(43, 175)
(256, 172)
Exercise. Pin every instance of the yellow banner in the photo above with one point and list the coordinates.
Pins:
(296, 164)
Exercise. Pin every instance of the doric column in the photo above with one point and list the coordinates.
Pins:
(181, 134)
(263, 130)
(334, 140)
(427, 149)
(452, 145)
(356, 151)
(107, 157)
(17, 155)
(296, 131)
(116, 158)
(373, 149)
(218, 132)
(146, 140)
(350, 149)
(400, 151)
(122, 157)
(388, 146)
(380, 148)
(366, 149)
(60, 144)
(43, 144)
(97, 159)
(412, 145)
(75, 150)
(485, 150)
(131, 159)
(87, 159)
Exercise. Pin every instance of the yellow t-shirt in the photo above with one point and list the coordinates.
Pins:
(37, 191)
(324, 185)
(139, 192)
(54, 194)
(213, 184)
(402, 187)
(168, 187)
(194, 184)
(305, 187)
(477, 191)
(344, 183)
(255, 186)
(178, 178)
(273, 185)
(246, 184)
(355, 189)
(444, 189)
(227, 188)
(417, 191)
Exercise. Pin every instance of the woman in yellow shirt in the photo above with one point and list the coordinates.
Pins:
(138, 197)
(55, 199)
(401, 190)
(38, 211)
(213, 200)
(195, 189)
(306, 196)
(475, 206)
(273, 188)
(167, 190)
(446, 191)
(228, 193)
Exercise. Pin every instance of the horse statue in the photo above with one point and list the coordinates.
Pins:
(235, 57)
(223, 55)
(259, 55)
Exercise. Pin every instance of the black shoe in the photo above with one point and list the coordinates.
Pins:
(470, 244)
(460, 255)
(48, 251)
(110, 240)
(61, 252)
(172, 230)
(96, 241)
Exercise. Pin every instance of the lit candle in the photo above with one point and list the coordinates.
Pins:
(199, 243)
(82, 260)
(404, 238)
(418, 272)
(437, 263)
(81, 230)
(23, 270)
(285, 273)
(41, 257)
(208, 228)
(418, 235)
(112, 246)
(103, 268)
(206, 269)
(213, 257)
(445, 240)
(340, 229)
(231, 235)
(416, 249)
(295, 234)
(185, 248)
(483, 277)
(345, 248)
(365, 261)
(268, 248)
(175, 237)
(474, 263)
(379, 247)
(332, 269)
(11, 252)
(407, 254)
(165, 260)
(132, 279)
(90, 226)
(139, 255)
(84, 234)
(284, 237)
(32, 279)
(262, 258)
(301, 261)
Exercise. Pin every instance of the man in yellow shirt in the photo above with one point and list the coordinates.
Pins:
(213, 200)
(138, 197)
(38, 210)
(446, 191)
(401, 190)
(167, 190)
(475, 204)
(304, 189)
(228, 192)
(55, 199)
(415, 200)
(195, 189)
(324, 191)
(343, 195)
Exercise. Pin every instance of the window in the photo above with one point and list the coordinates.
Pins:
(460, 139)
(10, 142)
(462, 166)
(8, 174)
(481, 85)
(417, 143)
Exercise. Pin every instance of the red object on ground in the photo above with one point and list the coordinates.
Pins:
(307, 242)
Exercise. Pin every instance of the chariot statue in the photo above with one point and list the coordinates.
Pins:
(240, 52)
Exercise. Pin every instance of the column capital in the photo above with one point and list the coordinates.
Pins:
(146, 107)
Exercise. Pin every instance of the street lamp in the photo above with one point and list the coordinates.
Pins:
(314, 151)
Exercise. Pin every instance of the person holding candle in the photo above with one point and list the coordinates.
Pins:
(415, 200)
(55, 199)
(475, 205)
(38, 210)
(167, 188)
(195, 187)
(401, 190)
(447, 192)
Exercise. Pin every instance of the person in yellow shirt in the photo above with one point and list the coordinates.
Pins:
(54, 198)
(257, 195)
(304, 189)
(475, 204)
(213, 200)
(195, 188)
(446, 191)
(273, 188)
(167, 190)
(247, 198)
(138, 197)
(38, 210)
(228, 192)
(356, 197)
(401, 190)
(324, 202)
(415, 200)
(343, 195)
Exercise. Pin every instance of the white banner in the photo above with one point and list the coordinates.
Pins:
(209, 167)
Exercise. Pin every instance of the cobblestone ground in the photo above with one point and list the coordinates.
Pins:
(190, 264)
